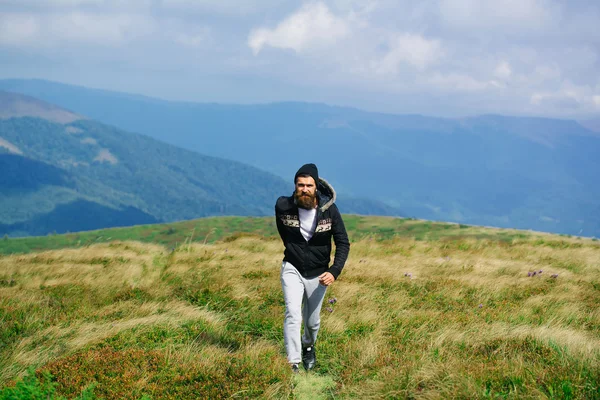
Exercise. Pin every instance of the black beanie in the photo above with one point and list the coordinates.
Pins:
(308, 169)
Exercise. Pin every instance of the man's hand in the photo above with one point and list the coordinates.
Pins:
(326, 278)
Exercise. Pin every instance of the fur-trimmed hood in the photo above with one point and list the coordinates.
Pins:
(326, 194)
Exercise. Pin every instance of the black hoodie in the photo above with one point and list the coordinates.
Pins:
(311, 258)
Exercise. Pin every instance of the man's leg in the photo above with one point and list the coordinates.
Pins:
(314, 293)
(293, 291)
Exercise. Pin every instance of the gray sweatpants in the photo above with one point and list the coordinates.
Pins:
(303, 299)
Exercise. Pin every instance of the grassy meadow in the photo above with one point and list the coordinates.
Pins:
(210, 230)
(422, 311)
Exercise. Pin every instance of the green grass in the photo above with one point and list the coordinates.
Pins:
(32, 387)
(210, 230)
(448, 314)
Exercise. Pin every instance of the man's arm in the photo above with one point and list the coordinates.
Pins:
(342, 244)
(279, 224)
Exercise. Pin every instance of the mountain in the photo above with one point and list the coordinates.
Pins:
(13, 105)
(527, 173)
(64, 173)
(591, 124)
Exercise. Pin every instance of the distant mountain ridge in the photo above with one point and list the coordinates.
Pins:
(62, 172)
(592, 124)
(520, 172)
(14, 105)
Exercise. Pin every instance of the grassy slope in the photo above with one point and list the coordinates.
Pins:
(440, 317)
(209, 230)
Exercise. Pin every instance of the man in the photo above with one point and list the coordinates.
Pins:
(306, 223)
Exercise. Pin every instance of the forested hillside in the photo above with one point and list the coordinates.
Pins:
(521, 172)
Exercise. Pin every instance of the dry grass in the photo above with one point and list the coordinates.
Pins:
(89, 140)
(413, 319)
(15, 105)
(9, 146)
(106, 155)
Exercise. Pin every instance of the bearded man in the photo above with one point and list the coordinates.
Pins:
(306, 222)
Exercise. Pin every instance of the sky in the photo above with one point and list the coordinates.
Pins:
(431, 57)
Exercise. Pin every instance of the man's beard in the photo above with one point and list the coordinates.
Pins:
(307, 201)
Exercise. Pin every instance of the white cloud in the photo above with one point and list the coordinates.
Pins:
(547, 72)
(98, 28)
(17, 29)
(104, 5)
(569, 96)
(53, 3)
(184, 33)
(578, 56)
(411, 49)
(537, 98)
(473, 14)
(556, 100)
(458, 82)
(190, 39)
(503, 71)
(538, 56)
(54, 29)
(313, 26)
(227, 7)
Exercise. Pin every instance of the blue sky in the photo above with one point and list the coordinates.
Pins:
(433, 57)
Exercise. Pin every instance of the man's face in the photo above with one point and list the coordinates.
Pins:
(306, 190)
